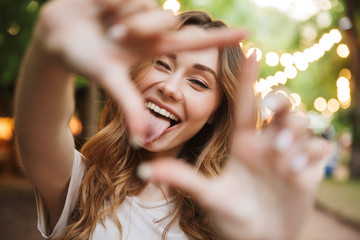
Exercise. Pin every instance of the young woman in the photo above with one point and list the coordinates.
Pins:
(133, 179)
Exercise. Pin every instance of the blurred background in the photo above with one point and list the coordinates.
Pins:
(307, 50)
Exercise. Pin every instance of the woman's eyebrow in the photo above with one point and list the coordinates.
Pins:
(205, 68)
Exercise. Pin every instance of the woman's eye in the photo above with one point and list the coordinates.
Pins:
(163, 65)
(199, 83)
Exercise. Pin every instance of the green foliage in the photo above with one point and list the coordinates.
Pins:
(16, 25)
(17, 19)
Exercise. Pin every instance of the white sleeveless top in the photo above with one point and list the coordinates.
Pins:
(139, 219)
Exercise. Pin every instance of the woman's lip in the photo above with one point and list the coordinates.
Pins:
(167, 108)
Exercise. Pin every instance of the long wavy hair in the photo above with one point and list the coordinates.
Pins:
(111, 161)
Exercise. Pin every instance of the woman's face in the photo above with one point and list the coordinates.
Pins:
(181, 93)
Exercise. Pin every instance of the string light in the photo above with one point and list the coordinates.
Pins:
(6, 128)
(75, 125)
(286, 59)
(333, 105)
(172, 5)
(343, 92)
(343, 51)
(320, 104)
(272, 59)
(345, 73)
(299, 61)
(297, 99)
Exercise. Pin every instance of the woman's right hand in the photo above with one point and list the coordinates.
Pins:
(101, 39)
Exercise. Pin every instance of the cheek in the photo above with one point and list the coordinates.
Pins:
(148, 81)
(201, 108)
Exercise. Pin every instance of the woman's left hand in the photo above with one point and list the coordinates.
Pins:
(267, 185)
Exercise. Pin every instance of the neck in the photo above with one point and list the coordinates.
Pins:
(154, 192)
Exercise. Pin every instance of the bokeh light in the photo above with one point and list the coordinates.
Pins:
(346, 73)
(6, 128)
(297, 99)
(280, 77)
(343, 51)
(172, 5)
(336, 35)
(323, 19)
(333, 105)
(14, 29)
(320, 104)
(32, 7)
(290, 72)
(286, 59)
(75, 125)
(272, 59)
(342, 82)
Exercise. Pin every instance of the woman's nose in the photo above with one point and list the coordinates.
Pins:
(171, 89)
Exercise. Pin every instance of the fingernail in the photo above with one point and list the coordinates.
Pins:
(299, 162)
(271, 102)
(144, 171)
(117, 31)
(283, 140)
(135, 142)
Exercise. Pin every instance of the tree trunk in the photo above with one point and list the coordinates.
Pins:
(88, 108)
(351, 35)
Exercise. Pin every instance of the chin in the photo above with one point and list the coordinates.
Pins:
(161, 149)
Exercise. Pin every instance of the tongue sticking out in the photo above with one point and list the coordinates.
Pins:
(156, 127)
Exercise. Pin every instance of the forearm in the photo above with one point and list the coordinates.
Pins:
(43, 107)
(44, 91)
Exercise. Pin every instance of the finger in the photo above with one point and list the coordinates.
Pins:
(149, 24)
(279, 104)
(192, 39)
(246, 103)
(292, 128)
(116, 80)
(180, 175)
(112, 10)
(246, 142)
(298, 124)
(124, 8)
(309, 175)
(136, 6)
(316, 148)
(305, 155)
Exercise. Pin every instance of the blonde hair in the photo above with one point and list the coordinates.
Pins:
(111, 162)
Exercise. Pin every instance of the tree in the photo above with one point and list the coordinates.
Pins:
(353, 41)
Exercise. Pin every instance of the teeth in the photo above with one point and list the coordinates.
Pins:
(161, 111)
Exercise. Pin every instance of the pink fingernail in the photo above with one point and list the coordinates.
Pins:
(136, 142)
(283, 140)
(272, 102)
(299, 162)
(144, 171)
